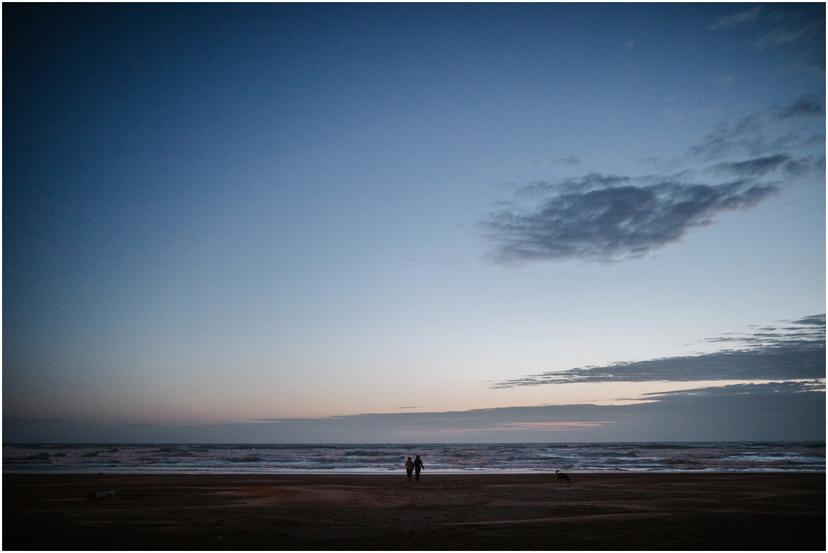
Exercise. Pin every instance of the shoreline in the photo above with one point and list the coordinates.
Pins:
(485, 459)
(397, 472)
(459, 511)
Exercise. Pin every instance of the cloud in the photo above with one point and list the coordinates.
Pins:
(762, 166)
(796, 38)
(805, 166)
(793, 350)
(768, 411)
(600, 217)
(778, 37)
(760, 134)
(813, 320)
(570, 160)
(793, 29)
(795, 34)
(753, 167)
(744, 134)
(735, 19)
(748, 388)
(609, 217)
(551, 425)
(808, 105)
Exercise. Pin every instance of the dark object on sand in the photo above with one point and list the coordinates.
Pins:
(98, 496)
(562, 477)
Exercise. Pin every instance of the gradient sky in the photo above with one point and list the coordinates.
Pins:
(233, 222)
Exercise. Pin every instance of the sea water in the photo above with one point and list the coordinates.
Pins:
(438, 458)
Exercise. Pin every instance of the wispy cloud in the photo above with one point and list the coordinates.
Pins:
(735, 19)
(789, 350)
(747, 388)
(551, 425)
(570, 160)
(804, 106)
(749, 135)
(778, 37)
(609, 217)
(728, 137)
(765, 165)
(791, 29)
(503, 428)
(753, 167)
(795, 34)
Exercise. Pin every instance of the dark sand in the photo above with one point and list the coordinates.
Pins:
(597, 511)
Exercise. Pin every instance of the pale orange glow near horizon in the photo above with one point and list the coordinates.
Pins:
(318, 406)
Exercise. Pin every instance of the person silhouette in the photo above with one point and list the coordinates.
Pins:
(409, 467)
(418, 466)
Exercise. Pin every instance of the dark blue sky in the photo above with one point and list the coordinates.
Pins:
(220, 212)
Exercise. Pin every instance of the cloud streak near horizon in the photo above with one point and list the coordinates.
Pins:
(792, 350)
(759, 411)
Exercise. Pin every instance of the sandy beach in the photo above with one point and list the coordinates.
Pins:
(597, 511)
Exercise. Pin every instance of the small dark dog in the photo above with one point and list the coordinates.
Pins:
(562, 477)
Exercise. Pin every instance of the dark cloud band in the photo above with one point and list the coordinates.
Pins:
(607, 218)
(795, 350)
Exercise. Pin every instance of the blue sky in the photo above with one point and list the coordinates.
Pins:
(226, 214)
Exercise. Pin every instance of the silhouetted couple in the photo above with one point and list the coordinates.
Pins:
(414, 466)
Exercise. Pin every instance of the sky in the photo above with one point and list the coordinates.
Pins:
(411, 222)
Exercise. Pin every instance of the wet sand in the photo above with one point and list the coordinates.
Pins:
(597, 511)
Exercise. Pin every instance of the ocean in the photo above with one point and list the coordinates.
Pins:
(438, 458)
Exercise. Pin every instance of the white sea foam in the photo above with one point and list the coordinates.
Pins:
(438, 458)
